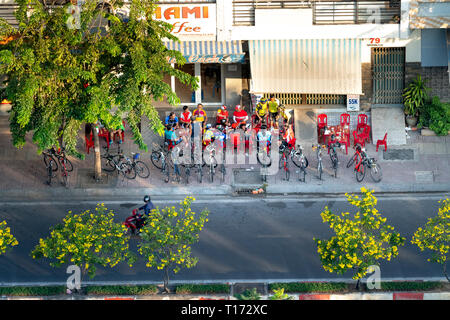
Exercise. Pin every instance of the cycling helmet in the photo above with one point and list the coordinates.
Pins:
(263, 100)
(219, 127)
(238, 106)
(146, 198)
(208, 126)
(263, 126)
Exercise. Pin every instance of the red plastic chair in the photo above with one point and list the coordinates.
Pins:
(365, 134)
(105, 134)
(89, 143)
(362, 121)
(344, 119)
(322, 121)
(383, 143)
(358, 139)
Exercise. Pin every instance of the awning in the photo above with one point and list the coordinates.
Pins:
(306, 66)
(209, 51)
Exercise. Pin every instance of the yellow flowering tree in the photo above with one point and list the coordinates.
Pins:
(87, 240)
(435, 236)
(361, 240)
(7, 240)
(168, 235)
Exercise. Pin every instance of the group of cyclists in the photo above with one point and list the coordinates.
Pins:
(264, 122)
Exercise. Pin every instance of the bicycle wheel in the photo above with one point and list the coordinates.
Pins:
(287, 173)
(223, 171)
(351, 161)
(334, 162)
(141, 169)
(156, 159)
(64, 178)
(108, 165)
(211, 173)
(375, 172)
(199, 173)
(68, 164)
(297, 159)
(206, 161)
(302, 174)
(188, 173)
(320, 170)
(127, 170)
(360, 173)
(50, 172)
(47, 159)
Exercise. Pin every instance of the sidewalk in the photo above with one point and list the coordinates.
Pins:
(425, 168)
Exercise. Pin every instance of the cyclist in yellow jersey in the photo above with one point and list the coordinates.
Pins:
(262, 109)
(273, 111)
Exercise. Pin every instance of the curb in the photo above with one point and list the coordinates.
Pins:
(222, 190)
(293, 296)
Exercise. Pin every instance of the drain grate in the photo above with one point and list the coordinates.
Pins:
(399, 154)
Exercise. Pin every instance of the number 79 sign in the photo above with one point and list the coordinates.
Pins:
(375, 42)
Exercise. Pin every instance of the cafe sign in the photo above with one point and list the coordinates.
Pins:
(186, 19)
(352, 102)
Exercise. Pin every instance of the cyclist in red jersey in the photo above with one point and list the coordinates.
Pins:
(239, 116)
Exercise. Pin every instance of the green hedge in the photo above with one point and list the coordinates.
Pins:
(310, 286)
(121, 290)
(202, 288)
(32, 291)
(410, 286)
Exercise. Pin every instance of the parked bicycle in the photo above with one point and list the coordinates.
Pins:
(209, 158)
(303, 164)
(284, 162)
(363, 162)
(333, 155)
(139, 166)
(51, 164)
(118, 162)
(161, 160)
(318, 149)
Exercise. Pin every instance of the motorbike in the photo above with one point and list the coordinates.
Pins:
(134, 222)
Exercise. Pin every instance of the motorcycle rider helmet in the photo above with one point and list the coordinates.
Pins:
(146, 198)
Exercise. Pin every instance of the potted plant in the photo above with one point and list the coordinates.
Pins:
(414, 97)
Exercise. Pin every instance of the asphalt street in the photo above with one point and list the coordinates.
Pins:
(246, 239)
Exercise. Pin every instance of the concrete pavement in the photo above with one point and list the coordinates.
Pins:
(422, 165)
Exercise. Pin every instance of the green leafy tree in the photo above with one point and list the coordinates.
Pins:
(104, 68)
(361, 240)
(280, 295)
(248, 295)
(168, 235)
(7, 240)
(87, 240)
(435, 236)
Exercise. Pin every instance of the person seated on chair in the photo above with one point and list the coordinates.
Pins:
(172, 119)
(200, 115)
(262, 110)
(171, 137)
(239, 116)
(119, 130)
(222, 116)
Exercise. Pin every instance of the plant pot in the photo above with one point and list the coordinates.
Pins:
(411, 120)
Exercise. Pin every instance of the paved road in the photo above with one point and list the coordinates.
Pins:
(245, 239)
